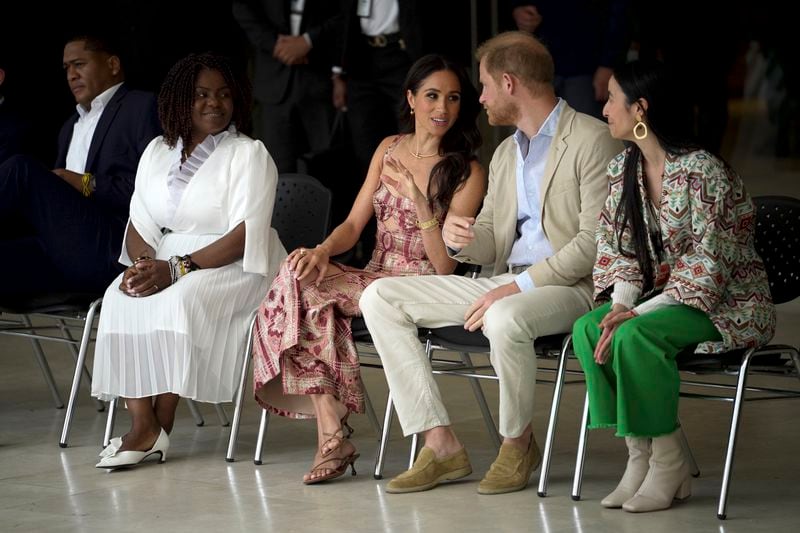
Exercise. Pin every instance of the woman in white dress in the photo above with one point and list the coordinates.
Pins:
(201, 253)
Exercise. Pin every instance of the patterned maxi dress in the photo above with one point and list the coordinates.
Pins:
(304, 335)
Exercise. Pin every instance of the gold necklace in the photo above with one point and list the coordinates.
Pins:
(419, 155)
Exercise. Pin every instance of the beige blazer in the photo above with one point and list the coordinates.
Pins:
(573, 192)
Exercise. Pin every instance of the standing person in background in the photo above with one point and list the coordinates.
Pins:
(295, 43)
(587, 39)
(69, 222)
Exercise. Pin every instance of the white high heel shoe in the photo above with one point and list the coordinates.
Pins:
(113, 445)
(130, 458)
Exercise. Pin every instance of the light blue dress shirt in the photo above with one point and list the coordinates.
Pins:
(531, 245)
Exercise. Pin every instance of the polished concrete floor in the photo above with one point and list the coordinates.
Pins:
(46, 488)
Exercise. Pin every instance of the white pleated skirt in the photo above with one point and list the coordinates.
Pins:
(187, 339)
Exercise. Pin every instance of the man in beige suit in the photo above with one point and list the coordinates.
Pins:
(547, 185)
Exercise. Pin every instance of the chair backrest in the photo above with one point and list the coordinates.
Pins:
(302, 211)
(777, 241)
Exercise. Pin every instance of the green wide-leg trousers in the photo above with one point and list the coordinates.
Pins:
(636, 390)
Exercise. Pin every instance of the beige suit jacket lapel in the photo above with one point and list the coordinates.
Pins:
(556, 152)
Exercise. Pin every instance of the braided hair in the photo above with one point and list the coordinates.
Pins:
(176, 97)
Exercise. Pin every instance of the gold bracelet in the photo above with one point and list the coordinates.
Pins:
(427, 224)
(86, 181)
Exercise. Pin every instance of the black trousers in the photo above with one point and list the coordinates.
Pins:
(52, 238)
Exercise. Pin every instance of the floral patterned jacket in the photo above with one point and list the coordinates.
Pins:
(707, 223)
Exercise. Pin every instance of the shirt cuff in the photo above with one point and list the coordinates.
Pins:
(625, 294)
(307, 37)
(524, 281)
(653, 304)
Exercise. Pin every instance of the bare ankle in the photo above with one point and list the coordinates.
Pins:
(442, 441)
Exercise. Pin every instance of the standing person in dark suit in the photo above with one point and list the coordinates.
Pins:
(294, 42)
(382, 38)
(69, 222)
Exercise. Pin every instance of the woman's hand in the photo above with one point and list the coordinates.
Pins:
(303, 261)
(145, 277)
(405, 185)
(618, 314)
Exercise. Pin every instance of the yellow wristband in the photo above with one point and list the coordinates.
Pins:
(427, 224)
(86, 181)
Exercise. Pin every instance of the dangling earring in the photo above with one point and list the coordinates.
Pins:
(412, 110)
(636, 132)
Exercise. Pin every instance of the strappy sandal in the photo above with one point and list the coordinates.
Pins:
(346, 432)
(349, 460)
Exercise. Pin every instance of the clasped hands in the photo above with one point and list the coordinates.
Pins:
(145, 277)
(291, 50)
(618, 314)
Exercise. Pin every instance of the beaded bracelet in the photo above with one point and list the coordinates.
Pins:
(180, 266)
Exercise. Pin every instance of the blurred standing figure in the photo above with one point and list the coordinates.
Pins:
(382, 38)
(295, 42)
(587, 39)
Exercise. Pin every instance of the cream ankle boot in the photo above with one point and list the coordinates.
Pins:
(635, 472)
(668, 478)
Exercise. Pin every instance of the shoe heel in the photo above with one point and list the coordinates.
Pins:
(685, 490)
(353, 464)
(162, 458)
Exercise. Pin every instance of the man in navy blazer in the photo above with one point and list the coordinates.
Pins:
(64, 227)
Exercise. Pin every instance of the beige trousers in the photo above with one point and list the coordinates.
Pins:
(393, 308)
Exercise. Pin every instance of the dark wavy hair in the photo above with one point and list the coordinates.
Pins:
(177, 95)
(669, 118)
(459, 144)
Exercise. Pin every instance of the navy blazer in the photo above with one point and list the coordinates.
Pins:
(128, 124)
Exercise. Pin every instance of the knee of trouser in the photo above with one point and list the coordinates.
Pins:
(623, 342)
(584, 325)
(374, 298)
(500, 323)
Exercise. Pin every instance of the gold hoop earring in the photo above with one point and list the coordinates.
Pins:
(636, 134)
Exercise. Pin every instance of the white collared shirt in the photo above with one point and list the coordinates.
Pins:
(383, 17)
(83, 131)
(531, 245)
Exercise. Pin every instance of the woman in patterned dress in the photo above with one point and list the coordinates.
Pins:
(676, 257)
(305, 361)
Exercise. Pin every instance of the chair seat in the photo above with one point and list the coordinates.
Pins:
(457, 338)
(693, 362)
(48, 303)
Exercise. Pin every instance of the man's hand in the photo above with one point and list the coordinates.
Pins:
(457, 231)
(73, 178)
(474, 316)
(339, 93)
(527, 18)
(291, 50)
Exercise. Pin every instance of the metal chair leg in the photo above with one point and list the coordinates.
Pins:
(67, 334)
(578, 479)
(262, 431)
(733, 434)
(221, 415)
(110, 419)
(198, 417)
(380, 458)
(544, 474)
(414, 449)
(373, 418)
(687, 452)
(239, 398)
(484, 407)
(76, 378)
(44, 367)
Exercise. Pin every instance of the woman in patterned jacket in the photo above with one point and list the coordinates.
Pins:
(676, 257)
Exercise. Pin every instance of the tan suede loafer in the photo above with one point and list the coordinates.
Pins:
(511, 470)
(428, 471)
